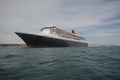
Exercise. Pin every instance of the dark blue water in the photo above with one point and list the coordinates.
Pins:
(19, 63)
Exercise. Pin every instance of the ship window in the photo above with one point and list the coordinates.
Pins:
(52, 30)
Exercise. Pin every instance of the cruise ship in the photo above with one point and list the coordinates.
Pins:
(53, 37)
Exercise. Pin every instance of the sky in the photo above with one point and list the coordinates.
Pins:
(96, 20)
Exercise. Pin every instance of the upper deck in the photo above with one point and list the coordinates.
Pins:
(53, 30)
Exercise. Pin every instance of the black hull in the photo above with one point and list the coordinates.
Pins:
(32, 40)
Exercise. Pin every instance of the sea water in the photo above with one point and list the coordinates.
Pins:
(74, 63)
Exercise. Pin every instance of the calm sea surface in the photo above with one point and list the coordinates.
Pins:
(92, 63)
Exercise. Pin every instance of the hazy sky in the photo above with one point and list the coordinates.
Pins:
(97, 20)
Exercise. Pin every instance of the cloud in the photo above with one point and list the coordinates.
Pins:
(87, 13)
(106, 33)
(94, 18)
